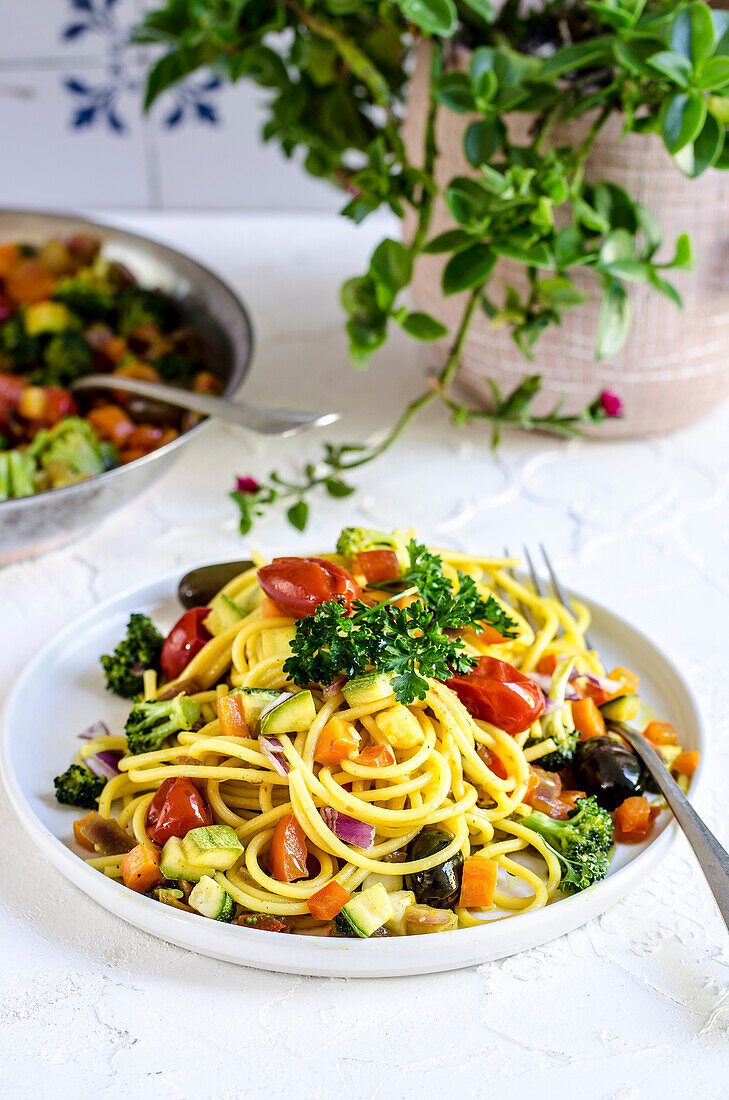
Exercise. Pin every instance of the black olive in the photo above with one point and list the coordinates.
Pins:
(441, 885)
(608, 769)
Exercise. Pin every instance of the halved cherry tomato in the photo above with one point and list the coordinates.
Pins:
(288, 850)
(379, 565)
(494, 763)
(299, 585)
(186, 638)
(496, 692)
(176, 808)
(11, 390)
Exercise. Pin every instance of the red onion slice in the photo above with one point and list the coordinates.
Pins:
(104, 763)
(604, 683)
(334, 688)
(272, 749)
(540, 678)
(349, 829)
(274, 703)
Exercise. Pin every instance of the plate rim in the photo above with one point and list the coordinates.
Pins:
(311, 955)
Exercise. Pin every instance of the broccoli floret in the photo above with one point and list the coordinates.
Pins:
(558, 724)
(66, 357)
(176, 368)
(357, 540)
(69, 451)
(87, 294)
(581, 843)
(140, 306)
(149, 723)
(79, 787)
(18, 350)
(139, 649)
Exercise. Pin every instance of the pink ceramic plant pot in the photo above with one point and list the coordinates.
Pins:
(674, 366)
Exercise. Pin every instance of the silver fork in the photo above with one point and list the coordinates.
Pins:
(713, 858)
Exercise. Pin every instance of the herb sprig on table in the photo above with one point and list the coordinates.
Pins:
(410, 643)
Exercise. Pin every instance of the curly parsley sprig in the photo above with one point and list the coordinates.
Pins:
(410, 643)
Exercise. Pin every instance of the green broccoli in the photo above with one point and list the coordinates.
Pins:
(177, 368)
(149, 723)
(66, 357)
(22, 470)
(138, 650)
(79, 787)
(558, 723)
(88, 294)
(357, 540)
(18, 350)
(69, 451)
(140, 306)
(581, 843)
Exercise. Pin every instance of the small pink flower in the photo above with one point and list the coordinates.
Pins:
(611, 403)
(246, 485)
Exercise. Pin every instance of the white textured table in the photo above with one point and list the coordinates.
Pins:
(635, 1004)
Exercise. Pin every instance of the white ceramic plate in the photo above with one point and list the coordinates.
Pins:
(39, 738)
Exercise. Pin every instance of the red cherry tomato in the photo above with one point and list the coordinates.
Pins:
(186, 638)
(379, 565)
(496, 692)
(299, 585)
(176, 808)
(11, 390)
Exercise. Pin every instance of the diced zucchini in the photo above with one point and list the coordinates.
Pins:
(4, 475)
(400, 727)
(390, 882)
(275, 642)
(669, 753)
(364, 690)
(212, 846)
(22, 469)
(400, 900)
(210, 899)
(622, 709)
(254, 700)
(175, 866)
(423, 919)
(365, 913)
(294, 714)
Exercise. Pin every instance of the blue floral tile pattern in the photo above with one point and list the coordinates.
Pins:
(100, 102)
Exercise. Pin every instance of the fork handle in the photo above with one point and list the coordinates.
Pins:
(714, 859)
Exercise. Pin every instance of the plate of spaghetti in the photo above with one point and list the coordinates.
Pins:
(355, 751)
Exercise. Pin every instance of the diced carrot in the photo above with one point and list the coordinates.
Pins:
(115, 349)
(327, 902)
(406, 601)
(337, 741)
(661, 733)
(633, 818)
(231, 714)
(206, 382)
(131, 454)
(78, 827)
(288, 850)
(628, 679)
(489, 636)
(379, 565)
(168, 435)
(587, 718)
(478, 883)
(686, 763)
(9, 256)
(547, 664)
(136, 368)
(271, 610)
(29, 281)
(111, 422)
(140, 869)
(376, 756)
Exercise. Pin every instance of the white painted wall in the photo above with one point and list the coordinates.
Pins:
(72, 133)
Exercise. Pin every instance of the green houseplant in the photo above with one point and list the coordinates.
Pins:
(337, 71)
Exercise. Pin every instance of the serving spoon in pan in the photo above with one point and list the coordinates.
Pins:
(256, 418)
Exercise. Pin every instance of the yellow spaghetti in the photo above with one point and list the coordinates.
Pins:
(337, 809)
